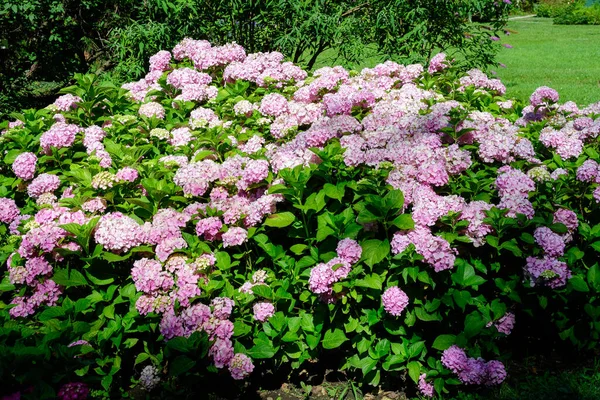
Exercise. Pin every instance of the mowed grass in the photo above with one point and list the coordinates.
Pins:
(564, 57)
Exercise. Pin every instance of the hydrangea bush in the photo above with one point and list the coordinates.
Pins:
(231, 214)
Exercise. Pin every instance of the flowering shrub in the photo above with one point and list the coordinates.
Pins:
(403, 221)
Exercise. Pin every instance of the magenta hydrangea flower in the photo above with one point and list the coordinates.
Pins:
(44, 183)
(127, 174)
(8, 210)
(152, 109)
(547, 271)
(67, 102)
(235, 236)
(552, 243)
(542, 95)
(425, 388)
(24, 166)
(454, 358)
(240, 366)
(437, 63)
(349, 250)
(73, 391)
(263, 311)
(394, 300)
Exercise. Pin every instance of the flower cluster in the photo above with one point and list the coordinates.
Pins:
(473, 371)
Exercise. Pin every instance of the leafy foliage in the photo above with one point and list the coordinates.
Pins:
(272, 216)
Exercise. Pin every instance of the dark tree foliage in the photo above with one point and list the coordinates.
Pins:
(49, 40)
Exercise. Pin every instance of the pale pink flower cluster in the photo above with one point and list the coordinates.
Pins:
(263, 311)
(58, 136)
(44, 183)
(473, 371)
(92, 140)
(264, 68)
(24, 166)
(435, 250)
(152, 109)
(258, 278)
(8, 210)
(67, 102)
(162, 285)
(480, 80)
(513, 188)
(394, 301)
(117, 232)
(127, 174)
(437, 63)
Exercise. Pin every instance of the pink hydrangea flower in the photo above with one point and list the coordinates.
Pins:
(24, 166)
(8, 210)
(67, 102)
(127, 174)
(552, 243)
(44, 183)
(73, 391)
(394, 300)
(152, 109)
(235, 236)
(425, 388)
(117, 232)
(349, 250)
(263, 311)
(240, 366)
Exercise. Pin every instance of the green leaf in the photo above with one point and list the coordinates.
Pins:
(442, 342)
(180, 365)
(375, 251)
(559, 228)
(578, 283)
(262, 350)
(372, 281)
(414, 370)
(68, 278)
(179, 343)
(404, 221)
(394, 200)
(335, 192)
(10, 157)
(50, 313)
(593, 277)
(263, 291)
(333, 339)
(280, 220)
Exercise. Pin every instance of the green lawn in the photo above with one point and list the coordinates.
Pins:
(564, 57)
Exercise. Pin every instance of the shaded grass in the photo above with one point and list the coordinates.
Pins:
(564, 57)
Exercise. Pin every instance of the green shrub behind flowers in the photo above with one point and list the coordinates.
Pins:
(228, 215)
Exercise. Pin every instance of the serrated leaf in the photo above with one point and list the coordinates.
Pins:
(280, 220)
(180, 365)
(442, 342)
(333, 339)
(375, 251)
